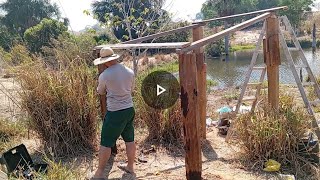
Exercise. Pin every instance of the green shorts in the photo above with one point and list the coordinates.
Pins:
(115, 124)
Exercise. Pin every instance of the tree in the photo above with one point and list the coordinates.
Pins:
(7, 38)
(131, 19)
(296, 9)
(40, 35)
(221, 8)
(266, 4)
(23, 14)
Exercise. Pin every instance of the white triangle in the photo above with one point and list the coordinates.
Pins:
(160, 90)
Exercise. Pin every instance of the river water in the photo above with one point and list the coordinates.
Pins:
(232, 71)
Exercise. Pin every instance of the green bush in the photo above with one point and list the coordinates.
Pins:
(215, 49)
(40, 35)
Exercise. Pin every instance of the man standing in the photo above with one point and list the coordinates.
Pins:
(118, 82)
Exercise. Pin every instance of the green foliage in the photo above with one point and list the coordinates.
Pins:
(218, 8)
(40, 35)
(241, 47)
(176, 37)
(69, 48)
(7, 38)
(295, 10)
(130, 19)
(23, 14)
(215, 49)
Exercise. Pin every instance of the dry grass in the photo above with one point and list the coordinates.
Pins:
(163, 125)
(9, 131)
(268, 134)
(62, 105)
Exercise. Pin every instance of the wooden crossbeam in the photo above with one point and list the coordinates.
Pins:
(243, 14)
(161, 34)
(219, 35)
(174, 45)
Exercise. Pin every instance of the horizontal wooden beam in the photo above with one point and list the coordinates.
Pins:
(219, 35)
(243, 14)
(161, 34)
(174, 45)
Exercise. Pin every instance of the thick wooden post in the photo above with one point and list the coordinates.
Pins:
(273, 59)
(190, 115)
(201, 80)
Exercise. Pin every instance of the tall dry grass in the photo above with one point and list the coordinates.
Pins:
(268, 134)
(61, 104)
(163, 125)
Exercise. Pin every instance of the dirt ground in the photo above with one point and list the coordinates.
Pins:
(220, 159)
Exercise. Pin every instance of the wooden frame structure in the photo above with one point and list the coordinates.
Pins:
(192, 74)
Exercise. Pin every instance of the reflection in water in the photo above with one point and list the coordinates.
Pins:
(232, 71)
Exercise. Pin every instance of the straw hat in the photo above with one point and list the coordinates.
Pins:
(106, 55)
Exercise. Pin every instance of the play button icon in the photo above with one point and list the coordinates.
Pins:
(160, 90)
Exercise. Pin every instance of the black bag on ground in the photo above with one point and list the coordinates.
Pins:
(18, 161)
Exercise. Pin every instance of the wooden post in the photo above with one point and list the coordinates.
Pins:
(190, 115)
(273, 59)
(103, 98)
(226, 39)
(314, 37)
(201, 80)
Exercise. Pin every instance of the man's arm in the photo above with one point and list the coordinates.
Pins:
(102, 91)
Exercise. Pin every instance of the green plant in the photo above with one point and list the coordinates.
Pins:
(40, 35)
(270, 134)
(215, 49)
(241, 47)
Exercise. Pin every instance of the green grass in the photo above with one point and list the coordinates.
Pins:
(242, 47)
(211, 83)
(171, 67)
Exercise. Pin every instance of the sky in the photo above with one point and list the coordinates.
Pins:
(181, 9)
(73, 10)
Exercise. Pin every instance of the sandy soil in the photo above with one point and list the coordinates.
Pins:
(246, 37)
(9, 101)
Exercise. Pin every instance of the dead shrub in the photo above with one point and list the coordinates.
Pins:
(268, 134)
(62, 105)
(163, 125)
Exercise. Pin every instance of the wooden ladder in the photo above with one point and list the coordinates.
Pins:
(252, 68)
(301, 86)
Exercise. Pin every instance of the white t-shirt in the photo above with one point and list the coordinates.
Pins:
(118, 82)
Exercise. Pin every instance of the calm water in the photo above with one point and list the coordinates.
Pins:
(232, 72)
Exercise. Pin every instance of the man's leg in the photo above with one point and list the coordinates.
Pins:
(131, 153)
(104, 155)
